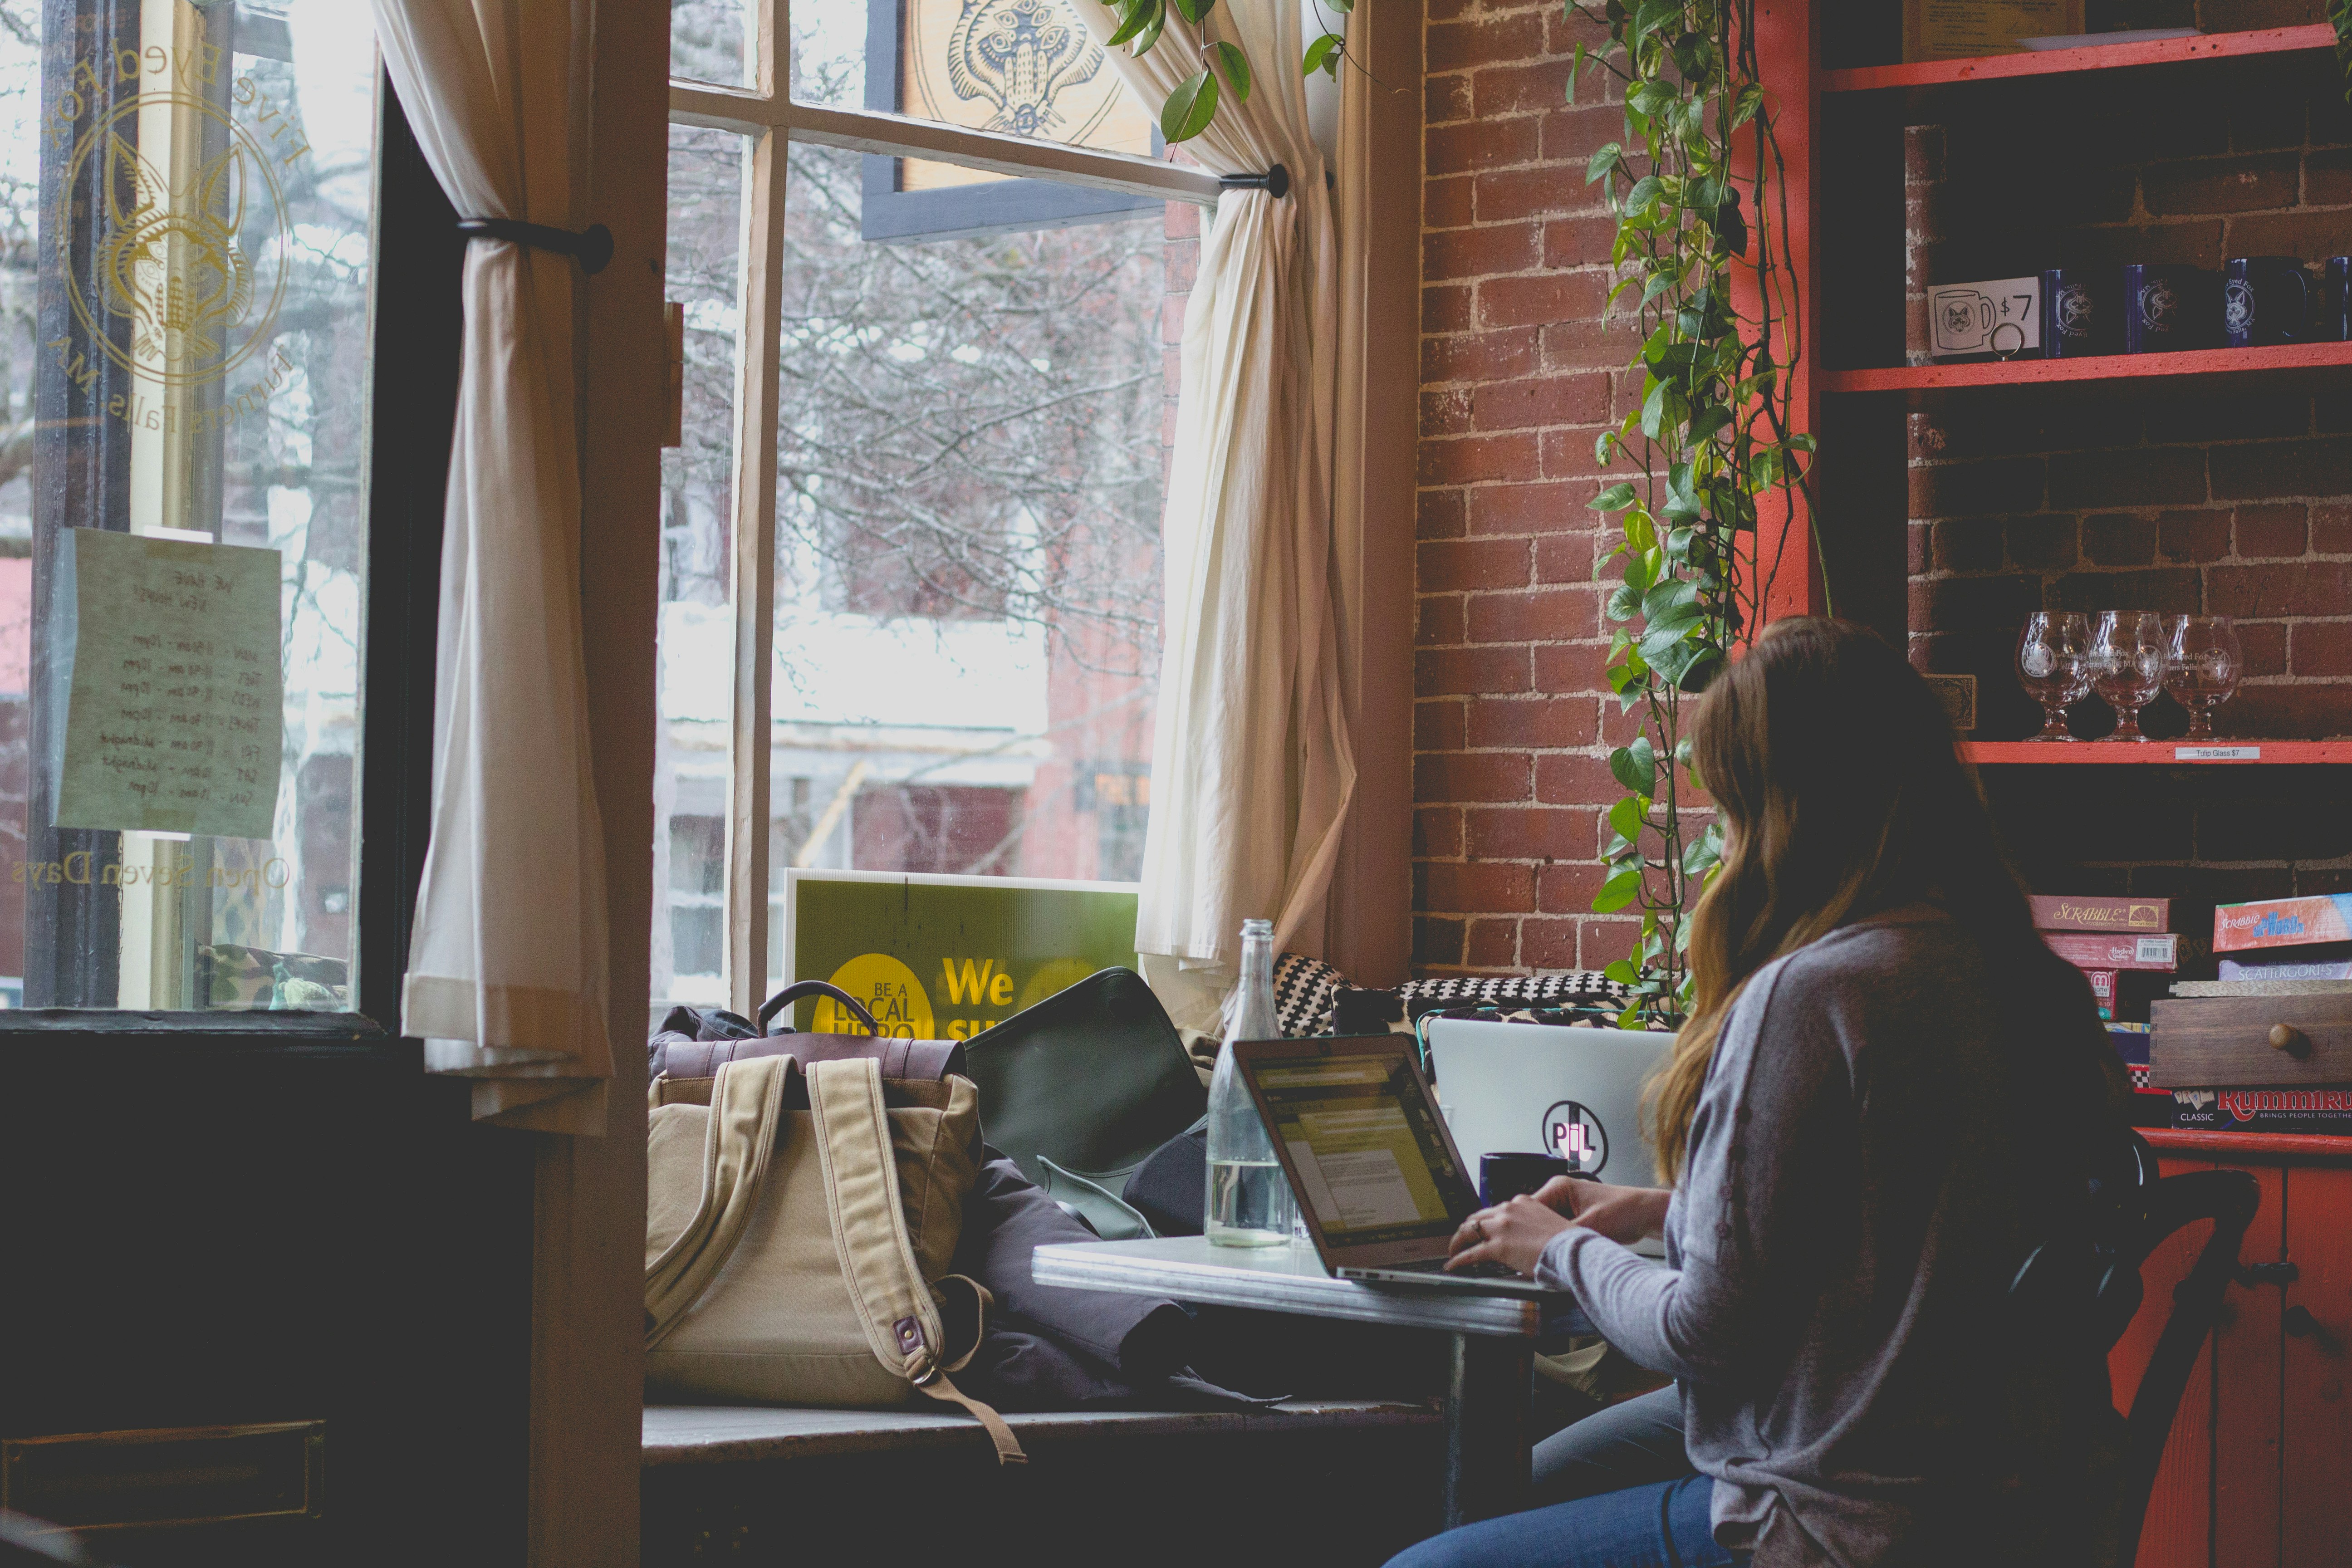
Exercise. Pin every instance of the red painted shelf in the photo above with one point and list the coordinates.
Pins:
(2191, 368)
(2098, 56)
(2226, 1145)
(2158, 753)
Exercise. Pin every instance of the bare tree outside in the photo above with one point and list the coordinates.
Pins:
(969, 457)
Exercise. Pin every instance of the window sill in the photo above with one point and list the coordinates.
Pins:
(212, 1037)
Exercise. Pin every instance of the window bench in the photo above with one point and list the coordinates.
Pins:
(1326, 1481)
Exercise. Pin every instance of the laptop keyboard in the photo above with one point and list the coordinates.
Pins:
(1437, 1266)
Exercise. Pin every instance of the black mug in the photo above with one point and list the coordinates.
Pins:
(2168, 306)
(2078, 313)
(1502, 1177)
(2265, 301)
(2333, 324)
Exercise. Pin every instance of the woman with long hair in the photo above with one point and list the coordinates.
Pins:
(1888, 1092)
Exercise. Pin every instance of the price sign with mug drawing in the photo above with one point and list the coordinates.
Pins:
(2002, 317)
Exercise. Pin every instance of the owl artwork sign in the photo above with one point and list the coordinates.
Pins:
(1016, 68)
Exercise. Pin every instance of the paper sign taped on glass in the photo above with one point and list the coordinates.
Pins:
(175, 690)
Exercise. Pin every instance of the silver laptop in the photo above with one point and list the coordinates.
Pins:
(1378, 1178)
(1546, 1089)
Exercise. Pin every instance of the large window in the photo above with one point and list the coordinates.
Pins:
(912, 576)
(186, 232)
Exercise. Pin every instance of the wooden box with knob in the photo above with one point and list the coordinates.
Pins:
(2277, 1064)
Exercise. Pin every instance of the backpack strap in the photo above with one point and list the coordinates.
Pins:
(899, 1312)
(746, 1103)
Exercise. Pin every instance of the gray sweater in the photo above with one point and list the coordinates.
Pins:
(1888, 1126)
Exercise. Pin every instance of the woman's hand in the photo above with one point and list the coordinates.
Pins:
(1511, 1233)
(1624, 1214)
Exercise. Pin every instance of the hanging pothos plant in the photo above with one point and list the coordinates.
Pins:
(1193, 104)
(1700, 191)
(2339, 15)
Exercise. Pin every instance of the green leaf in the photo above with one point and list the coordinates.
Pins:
(1602, 162)
(1194, 10)
(1616, 498)
(1151, 28)
(1706, 422)
(1636, 767)
(1323, 55)
(1190, 108)
(1644, 194)
(1575, 69)
(1137, 18)
(1236, 68)
(1617, 892)
(1622, 971)
(1627, 817)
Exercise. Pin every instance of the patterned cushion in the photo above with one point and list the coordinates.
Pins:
(1303, 990)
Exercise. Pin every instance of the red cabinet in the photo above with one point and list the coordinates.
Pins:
(2259, 1470)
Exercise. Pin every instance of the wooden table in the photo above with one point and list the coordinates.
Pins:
(1492, 1338)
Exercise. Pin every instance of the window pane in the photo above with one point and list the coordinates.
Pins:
(1027, 67)
(705, 199)
(184, 277)
(968, 578)
(708, 41)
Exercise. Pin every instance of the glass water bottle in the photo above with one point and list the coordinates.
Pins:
(1249, 1200)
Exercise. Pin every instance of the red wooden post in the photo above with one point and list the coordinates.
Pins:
(1789, 57)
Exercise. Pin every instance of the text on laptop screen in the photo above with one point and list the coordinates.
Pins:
(1371, 1161)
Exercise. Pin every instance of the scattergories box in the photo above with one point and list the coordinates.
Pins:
(2293, 1108)
(2283, 923)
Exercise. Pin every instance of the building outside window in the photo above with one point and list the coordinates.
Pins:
(187, 197)
(973, 379)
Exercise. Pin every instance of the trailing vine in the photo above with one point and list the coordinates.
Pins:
(1700, 191)
(2339, 15)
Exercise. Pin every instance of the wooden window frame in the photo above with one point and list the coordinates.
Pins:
(419, 263)
(1367, 929)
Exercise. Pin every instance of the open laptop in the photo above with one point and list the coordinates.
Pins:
(1378, 1178)
(1548, 1089)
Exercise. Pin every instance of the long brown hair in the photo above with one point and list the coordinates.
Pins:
(1842, 794)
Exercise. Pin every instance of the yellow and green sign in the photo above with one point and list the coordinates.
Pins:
(942, 958)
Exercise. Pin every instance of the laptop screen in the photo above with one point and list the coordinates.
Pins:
(1364, 1140)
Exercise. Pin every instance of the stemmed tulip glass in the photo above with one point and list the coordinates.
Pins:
(2202, 665)
(2128, 653)
(2053, 666)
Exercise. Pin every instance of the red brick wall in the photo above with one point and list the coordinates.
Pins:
(1517, 378)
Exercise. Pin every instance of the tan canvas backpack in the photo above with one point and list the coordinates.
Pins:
(799, 1223)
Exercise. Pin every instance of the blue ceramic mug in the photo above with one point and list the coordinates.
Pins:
(2265, 301)
(2078, 313)
(2168, 306)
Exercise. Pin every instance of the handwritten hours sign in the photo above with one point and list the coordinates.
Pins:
(175, 706)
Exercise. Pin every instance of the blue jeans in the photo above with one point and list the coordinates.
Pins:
(1663, 1525)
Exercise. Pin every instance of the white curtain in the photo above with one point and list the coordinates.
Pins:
(506, 970)
(1251, 767)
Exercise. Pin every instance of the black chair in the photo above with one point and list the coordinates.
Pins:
(2091, 1286)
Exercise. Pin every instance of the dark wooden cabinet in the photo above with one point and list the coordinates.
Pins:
(2260, 1465)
